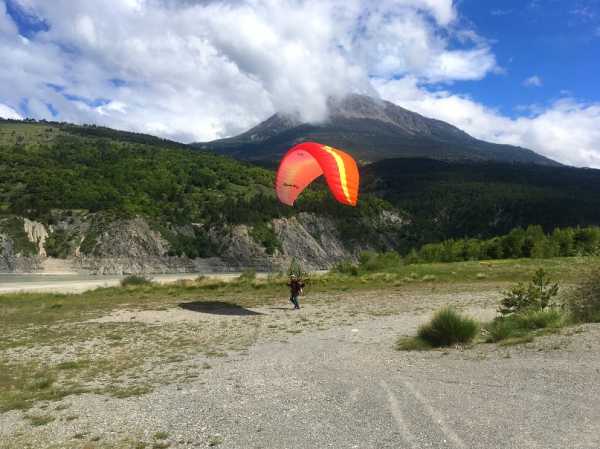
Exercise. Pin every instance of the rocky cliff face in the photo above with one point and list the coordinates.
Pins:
(100, 245)
(20, 249)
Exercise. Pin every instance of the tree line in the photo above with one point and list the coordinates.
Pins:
(530, 242)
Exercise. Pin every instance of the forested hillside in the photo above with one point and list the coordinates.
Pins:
(456, 200)
(192, 198)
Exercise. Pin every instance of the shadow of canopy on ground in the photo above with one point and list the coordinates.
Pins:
(217, 308)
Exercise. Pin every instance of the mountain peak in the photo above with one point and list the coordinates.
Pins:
(371, 129)
(358, 106)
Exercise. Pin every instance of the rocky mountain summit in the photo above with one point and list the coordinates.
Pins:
(371, 130)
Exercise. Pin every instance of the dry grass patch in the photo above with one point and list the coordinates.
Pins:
(39, 420)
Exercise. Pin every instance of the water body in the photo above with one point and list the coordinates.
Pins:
(77, 283)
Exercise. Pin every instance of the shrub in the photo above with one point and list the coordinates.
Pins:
(372, 261)
(264, 234)
(412, 344)
(297, 269)
(345, 267)
(57, 245)
(517, 299)
(537, 295)
(249, 274)
(519, 325)
(135, 280)
(540, 319)
(584, 301)
(14, 228)
(502, 328)
(447, 328)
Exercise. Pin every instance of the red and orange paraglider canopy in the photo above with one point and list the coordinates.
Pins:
(305, 162)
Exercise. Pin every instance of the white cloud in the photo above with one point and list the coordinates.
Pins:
(533, 81)
(585, 12)
(7, 26)
(199, 70)
(566, 131)
(9, 113)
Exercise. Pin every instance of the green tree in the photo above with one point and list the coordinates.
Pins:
(536, 295)
(564, 239)
(513, 244)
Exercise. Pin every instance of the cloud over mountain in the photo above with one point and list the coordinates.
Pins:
(206, 69)
(566, 131)
(196, 70)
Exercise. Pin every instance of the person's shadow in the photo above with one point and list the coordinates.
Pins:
(217, 308)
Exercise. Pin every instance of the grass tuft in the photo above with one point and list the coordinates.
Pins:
(520, 328)
(39, 420)
(412, 344)
(517, 340)
(161, 445)
(248, 275)
(215, 440)
(135, 280)
(448, 328)
(541, 319)
(128, 392)
(161, 435)
(584, 301)
(501, 329)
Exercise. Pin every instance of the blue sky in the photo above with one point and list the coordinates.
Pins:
(517, 72)
(556, 40)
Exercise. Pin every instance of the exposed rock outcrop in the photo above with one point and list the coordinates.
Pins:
(98, 244)
(37, 234)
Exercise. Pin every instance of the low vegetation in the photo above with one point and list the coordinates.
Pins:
(135, 280)
(454, 200)
(584, 301)
(523, 326)
(519, 243)
(525, 311)
(49, 169)
(113, 357)
(537, 295)
(446, 328)
(248, 275)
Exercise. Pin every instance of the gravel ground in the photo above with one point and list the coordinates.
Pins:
(347, 387)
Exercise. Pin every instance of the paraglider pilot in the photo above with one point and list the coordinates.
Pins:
(296, 286)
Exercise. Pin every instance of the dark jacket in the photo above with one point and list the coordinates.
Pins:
(295, 287)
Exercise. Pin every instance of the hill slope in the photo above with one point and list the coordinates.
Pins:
(371, 130)
(456, 200)
(118, 202)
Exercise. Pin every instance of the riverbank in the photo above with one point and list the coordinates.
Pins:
(78, 283)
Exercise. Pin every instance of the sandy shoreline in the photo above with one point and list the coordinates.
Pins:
(80, 283)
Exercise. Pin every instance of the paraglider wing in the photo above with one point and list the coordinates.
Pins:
(305, 162)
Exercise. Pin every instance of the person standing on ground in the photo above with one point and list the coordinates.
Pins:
(296, 285)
